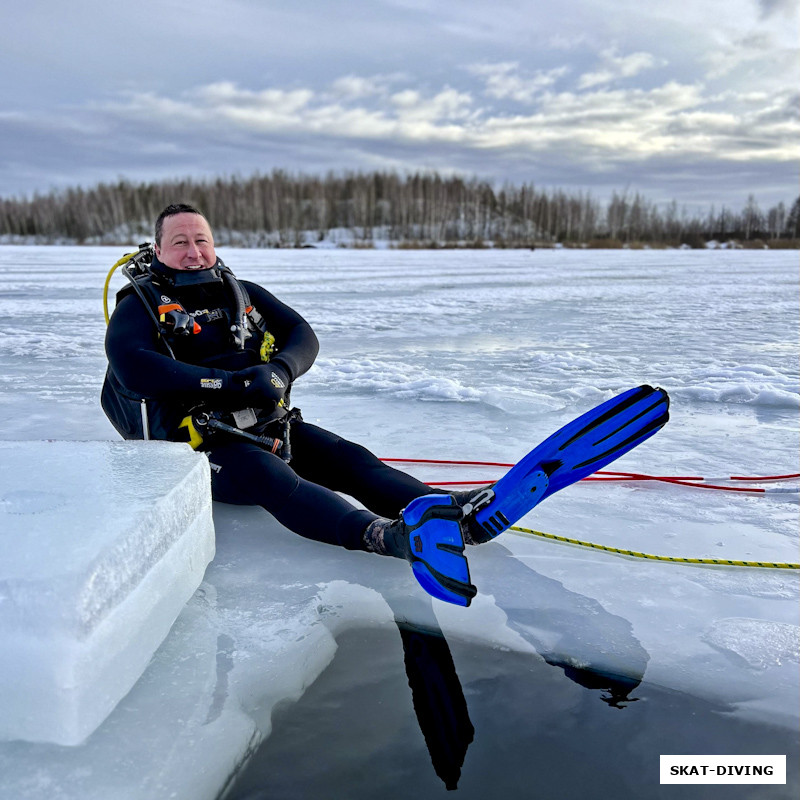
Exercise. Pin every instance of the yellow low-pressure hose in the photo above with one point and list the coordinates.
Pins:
(124, 260)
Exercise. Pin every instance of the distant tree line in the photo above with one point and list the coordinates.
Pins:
(282, 209)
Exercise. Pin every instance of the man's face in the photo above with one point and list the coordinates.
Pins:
(186, 243)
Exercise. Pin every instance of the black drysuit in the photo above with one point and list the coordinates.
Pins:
(302, 494)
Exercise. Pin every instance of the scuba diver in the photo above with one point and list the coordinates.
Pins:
(197, 356)
(223, 357)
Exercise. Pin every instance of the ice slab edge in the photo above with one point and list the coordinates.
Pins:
(103, 554)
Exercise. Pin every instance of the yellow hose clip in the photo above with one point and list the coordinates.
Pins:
(195, 439)
(267, 346)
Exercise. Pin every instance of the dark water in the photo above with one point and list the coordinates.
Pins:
(401, 713)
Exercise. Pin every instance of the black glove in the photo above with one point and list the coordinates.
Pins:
(265, 384)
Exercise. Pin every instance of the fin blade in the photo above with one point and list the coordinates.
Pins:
(580, 448)
(628, 444)
(613, 433)
(605, 412)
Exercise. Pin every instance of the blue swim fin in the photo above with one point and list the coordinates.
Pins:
(429, 533)
(580, 448)
(435, 548)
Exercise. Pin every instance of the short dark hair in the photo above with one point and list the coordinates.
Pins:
(170, 211)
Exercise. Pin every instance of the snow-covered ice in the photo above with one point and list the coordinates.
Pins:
(102, 545)
(466, 355)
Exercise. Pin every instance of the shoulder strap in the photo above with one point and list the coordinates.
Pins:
(151, 298)
(246, 316)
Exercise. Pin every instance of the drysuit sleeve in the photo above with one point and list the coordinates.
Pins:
(296, 341)
(140, 361)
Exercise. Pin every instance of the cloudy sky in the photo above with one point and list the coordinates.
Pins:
(693, 100)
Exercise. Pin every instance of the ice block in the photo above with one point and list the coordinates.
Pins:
(101, 546)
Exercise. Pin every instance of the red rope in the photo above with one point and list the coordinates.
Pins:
(621, 476)
(681, 480)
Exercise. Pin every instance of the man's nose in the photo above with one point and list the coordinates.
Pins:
(194, 250)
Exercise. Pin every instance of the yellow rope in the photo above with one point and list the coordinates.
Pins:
(673, 559)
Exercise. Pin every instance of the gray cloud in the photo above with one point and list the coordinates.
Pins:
(599, 95)
(616, 66)
(770, 7)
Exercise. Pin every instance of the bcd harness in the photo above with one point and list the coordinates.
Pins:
(136, 417)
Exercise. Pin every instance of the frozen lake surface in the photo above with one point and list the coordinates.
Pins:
(463, 355)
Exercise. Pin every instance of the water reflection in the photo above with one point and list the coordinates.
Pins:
(591, 647)
(517, 729)
(441, 708)
(438, 700)
(497, 716)
(594, 649)
(616, 689)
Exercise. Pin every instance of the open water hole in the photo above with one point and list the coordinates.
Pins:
(403, 713)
